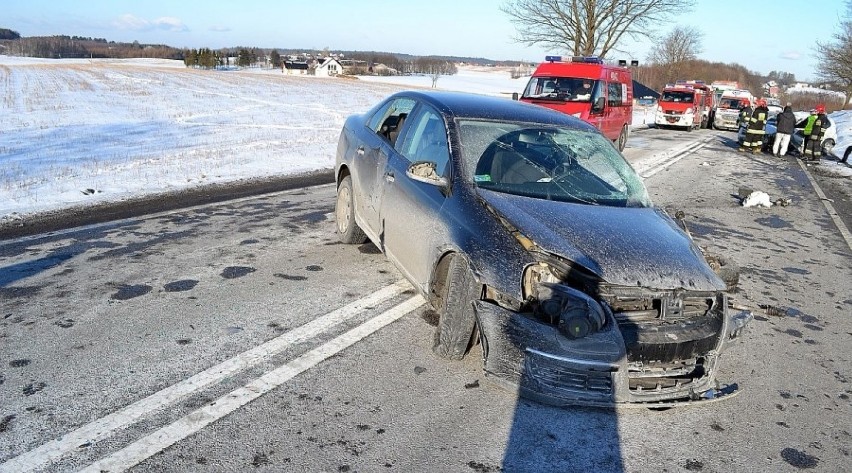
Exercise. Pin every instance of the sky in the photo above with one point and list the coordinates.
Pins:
(763, 36)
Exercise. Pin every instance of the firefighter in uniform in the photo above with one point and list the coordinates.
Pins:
(744, 116)
(755, 131)
(813, 140)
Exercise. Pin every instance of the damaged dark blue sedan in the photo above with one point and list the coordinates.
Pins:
(529, 233)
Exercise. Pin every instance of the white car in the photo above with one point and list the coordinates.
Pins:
(843, 143)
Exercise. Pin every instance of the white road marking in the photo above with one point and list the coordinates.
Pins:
(844, 232)
(104, 427)
(167, 436)
(663, 160)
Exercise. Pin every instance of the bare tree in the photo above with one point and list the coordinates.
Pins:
(834, 58)
(683, 43)
(675, 50)
(587, 27)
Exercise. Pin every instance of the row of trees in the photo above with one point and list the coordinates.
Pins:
(6, 33)
(206, 58)
(57, 47)
(396, 65)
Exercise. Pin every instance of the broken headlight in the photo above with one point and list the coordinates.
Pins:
(574, 312)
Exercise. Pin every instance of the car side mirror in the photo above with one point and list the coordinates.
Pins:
(427, 173)
(599, 104)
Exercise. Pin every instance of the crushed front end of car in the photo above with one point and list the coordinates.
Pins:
(591, 343)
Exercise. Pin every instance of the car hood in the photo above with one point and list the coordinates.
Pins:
(623, 246)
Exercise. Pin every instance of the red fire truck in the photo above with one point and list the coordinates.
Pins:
(685, 104)
(585, 87)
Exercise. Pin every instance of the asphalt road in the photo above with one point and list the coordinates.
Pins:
(240, 336)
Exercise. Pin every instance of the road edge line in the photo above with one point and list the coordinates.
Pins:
(844, 231)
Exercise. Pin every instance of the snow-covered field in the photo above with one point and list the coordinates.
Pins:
(78, 132)
(124, 128)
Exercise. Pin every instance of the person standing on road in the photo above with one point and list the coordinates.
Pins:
(745, 114)
(755, 131)
(813, 148)
(785, 125)
(809, 125)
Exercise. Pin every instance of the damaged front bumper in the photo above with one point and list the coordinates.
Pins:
(543, 364)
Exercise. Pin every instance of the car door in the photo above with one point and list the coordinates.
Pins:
(371, 159)
(413, 232)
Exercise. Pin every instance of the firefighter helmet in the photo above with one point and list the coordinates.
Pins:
(746, 103)
(820, 108)
(761, 102)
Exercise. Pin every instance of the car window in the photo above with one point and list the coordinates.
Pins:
(425, 139)
(677, 96)
(390, 112)
(613, 95)
(548, 162)
(568, 89)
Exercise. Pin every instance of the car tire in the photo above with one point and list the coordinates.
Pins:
(726, 269)
(621, 141)
(348, 231)
(827, 146)
(457, 322)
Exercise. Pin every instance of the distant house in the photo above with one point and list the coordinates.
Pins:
(329, 67)
(295, 67)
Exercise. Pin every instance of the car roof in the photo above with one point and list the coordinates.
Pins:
(474, 106)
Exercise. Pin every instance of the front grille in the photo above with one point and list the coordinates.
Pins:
(662, 307)
(567, 382)
(665, 376)
(660, 327)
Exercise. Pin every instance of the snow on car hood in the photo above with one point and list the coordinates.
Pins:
(623, 246)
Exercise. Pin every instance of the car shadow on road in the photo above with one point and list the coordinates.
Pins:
(545, 438)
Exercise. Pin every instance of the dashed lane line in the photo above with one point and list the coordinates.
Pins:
(104, 427)
(844, 231)
(167, 436)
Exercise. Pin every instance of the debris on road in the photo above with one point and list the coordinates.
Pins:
(757, 199)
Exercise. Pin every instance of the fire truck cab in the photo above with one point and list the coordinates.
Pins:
(585, 87)
(685, 104)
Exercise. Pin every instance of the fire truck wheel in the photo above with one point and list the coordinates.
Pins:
(621, 142)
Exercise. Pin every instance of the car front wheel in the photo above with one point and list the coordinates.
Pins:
(344, 212)
(827, 146)
(454, 335)
(621, 141)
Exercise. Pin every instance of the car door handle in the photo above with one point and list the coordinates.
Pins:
(389, 177)
(360, 150)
